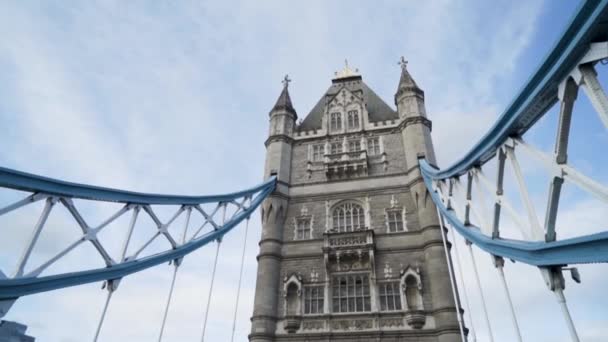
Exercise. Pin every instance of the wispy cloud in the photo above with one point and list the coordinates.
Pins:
(163, 97)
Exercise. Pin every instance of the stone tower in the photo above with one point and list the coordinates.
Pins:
(351, 248)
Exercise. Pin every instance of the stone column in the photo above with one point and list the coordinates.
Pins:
(267, 292)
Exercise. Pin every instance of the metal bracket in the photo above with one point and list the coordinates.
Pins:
(554, 278)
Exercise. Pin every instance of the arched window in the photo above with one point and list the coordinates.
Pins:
(348, 217)
(353, 119)
(335, 122)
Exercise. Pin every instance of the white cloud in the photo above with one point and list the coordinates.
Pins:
(173, 98)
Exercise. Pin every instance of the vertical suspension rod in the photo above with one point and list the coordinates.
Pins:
(500, 262)
(561, 299)
(112, 284)
(464, 289)
(451, 274)
(217, 252)
(483, 300)
(176, 263)
(238, 291)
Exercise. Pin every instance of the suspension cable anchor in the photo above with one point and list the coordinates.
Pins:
(111, 284)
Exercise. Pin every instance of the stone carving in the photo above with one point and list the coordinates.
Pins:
(345, 265)
(314, 275)
(313, 325)
(292, 324)
(391, 322)
(415, 318)
(354, 324)
(352, 240)
(394, 202)
(388, 271)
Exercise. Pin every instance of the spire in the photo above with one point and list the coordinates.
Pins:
(406, 82)
(284, 101)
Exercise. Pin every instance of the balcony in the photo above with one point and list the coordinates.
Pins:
(346, 164)
(349, 251)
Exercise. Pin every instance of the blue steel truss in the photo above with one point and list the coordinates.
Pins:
(11, 288)
(540, 93)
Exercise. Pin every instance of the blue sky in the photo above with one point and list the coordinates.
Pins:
(174, 96)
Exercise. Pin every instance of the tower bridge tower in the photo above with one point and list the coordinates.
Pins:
(351, 247)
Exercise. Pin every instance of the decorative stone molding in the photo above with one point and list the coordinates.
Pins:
(313, 325)
(352, 324)
(415, 318)
(390, 322)
(416, 120)
(292, 323)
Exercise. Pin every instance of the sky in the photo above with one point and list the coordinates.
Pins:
(173, 97)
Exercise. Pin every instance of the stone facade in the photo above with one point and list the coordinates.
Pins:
(351, 249)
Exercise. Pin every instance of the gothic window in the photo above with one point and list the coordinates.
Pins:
(336, 148)
(354, 145)
(350, 293)
(317, 152)
(348, 217)
(303, 228)
(353, 119)
(335, 123)
(373, 146)
(313, 299)
(394, 220)
(390, 297)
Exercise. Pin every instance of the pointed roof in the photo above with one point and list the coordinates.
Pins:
(284, 101)
(406, 81)
(377, 109)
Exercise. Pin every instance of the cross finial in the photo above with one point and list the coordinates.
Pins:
(403, 63)
(286, 81)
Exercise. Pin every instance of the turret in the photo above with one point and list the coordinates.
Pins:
(278, 162)
(415, 126)
(416, 134)
(278, 145)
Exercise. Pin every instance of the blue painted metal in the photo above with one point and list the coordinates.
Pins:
(540, 92)
(19, 180)
(585, 249)
(590, 24)
(14, 288)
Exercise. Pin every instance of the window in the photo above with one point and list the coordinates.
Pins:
(354, 145)
(394, 220)
(317, 152)
(348, 217)
(373, 146)
(390, 296)
(313, 299)
(350, 293)
(353, 119)
(336, 148)
(302, 228)
(335, 123)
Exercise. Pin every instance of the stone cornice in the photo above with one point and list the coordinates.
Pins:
(280, 137)
(416, 120)
(276, 256)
